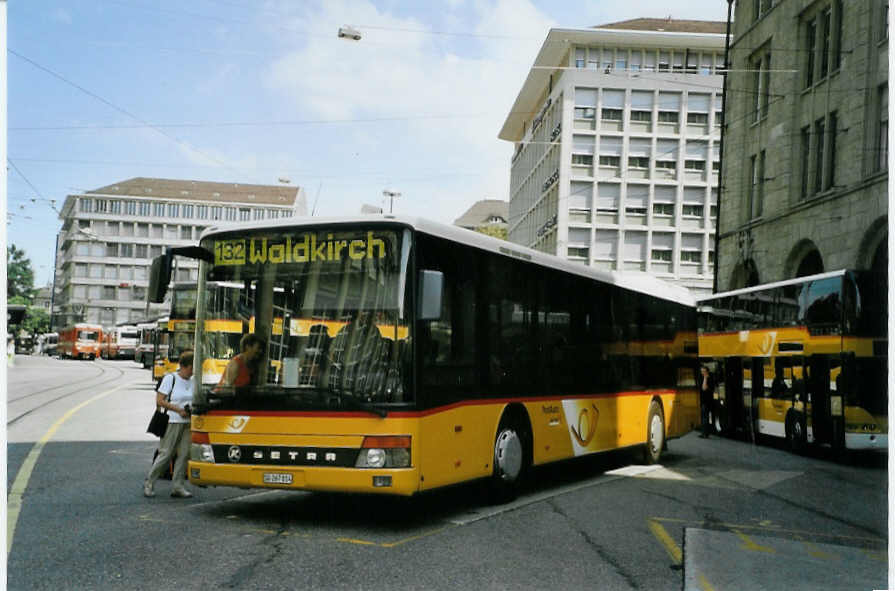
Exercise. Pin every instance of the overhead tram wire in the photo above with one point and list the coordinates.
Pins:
(122, 110)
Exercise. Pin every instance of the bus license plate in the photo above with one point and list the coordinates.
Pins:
(275, 478)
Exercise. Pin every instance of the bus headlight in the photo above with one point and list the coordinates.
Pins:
(200, 448)
(384, 452)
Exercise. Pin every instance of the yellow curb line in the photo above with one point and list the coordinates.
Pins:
(17, 491)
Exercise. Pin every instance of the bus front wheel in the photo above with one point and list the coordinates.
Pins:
(655, 433)
(509, 461)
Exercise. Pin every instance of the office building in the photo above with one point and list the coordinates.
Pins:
(110, 235)
(805, 150)
(616, 132)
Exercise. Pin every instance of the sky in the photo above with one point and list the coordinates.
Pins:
(257, 91)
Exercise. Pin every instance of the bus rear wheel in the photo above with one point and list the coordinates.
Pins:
(655, 434)
(510, 461)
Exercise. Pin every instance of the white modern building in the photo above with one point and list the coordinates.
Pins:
(110, 235)
(617, 148)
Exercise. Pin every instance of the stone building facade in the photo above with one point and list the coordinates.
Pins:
(804, 165)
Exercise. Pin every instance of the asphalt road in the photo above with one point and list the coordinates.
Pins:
(601, 523)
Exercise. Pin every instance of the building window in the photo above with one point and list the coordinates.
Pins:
(819, 132)
(577, 160)
(668, 117)
(130, 207)
(173, 210)
(202, 212)
(810, 48)
(111, 272)
(186, 232)
(245, 214)
(646, 116)
(141, 251)
(585, 113)
(80, 269)
(101, 206)
(611, 114)
(638, 162)
(145, 208)
(761, 8)
(579, 57)
(837, 34)
(126, 250)
(661, 255)
(666, 165)
(826, 25)
(85, 205)
(805, 160)
(831, 151)
(698, 118)
(115, 207)
(158, 209)
(691, 256)
(663, 209)
(155, 230)
(614, 161)
(756, 186)
(187, 211)
(258, 214)
(882, 136)
(216, 212)
(695, 165)
(693, 211)
(579, 252)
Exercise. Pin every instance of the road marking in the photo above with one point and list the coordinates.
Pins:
(604, 478)
(748, 544)
(704, 584)
(17, 491)
(666, 540)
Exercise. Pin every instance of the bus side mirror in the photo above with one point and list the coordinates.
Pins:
(159, 277)
(431, 286)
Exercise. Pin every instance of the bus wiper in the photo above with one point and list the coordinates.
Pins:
(358, 404)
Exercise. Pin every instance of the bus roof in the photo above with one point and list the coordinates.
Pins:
(766, 286)
(635, 281)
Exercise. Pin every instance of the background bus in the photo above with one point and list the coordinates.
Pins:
(222, 335)
(120, 342)
(80, 341)
(48, 343)
(153, 342)
(434, 356)
(803, 359)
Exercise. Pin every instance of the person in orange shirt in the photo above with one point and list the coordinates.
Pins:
(240, 370)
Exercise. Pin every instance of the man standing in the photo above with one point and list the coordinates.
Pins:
(706, 399)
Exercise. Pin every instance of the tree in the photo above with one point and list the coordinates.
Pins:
(37, 321)
(494, 231)
(19, 275)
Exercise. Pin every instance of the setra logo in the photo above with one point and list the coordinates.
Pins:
(587, 425)
(767, 344)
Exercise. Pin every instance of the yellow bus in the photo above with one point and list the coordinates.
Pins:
(803, 359)
(414, 355)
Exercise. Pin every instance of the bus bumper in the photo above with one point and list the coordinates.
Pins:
(867, 441)
(404, 481)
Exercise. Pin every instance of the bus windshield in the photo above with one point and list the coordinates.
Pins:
(329, 306)
(88, 335)
(871, 307)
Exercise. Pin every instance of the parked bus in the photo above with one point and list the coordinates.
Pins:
(486, 358)
(802, 359)
(153, 342)
(222, 335)
(120, 342)
(80, 341)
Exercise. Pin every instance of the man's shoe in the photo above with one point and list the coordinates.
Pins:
(181, 493)
(147, 489)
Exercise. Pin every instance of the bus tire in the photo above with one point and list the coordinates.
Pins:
(795, 432)
(655, 433)
(510, 460)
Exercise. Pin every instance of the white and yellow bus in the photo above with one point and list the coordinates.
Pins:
(404, 355)
(803, 359)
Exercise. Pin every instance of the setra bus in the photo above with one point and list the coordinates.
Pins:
(802, 360)
(403, 355)
(80, 341)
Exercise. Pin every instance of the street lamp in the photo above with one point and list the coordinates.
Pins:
(391, 194)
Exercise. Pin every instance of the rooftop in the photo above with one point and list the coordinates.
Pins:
(283, 195)
(668, 25)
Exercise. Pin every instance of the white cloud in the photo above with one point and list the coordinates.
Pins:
(467, 82)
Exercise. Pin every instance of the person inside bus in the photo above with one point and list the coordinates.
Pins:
(778, 386)
(175, 393)
(354, 356)
(706, 399)
(240, 371)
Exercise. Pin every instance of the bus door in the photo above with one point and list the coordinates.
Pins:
(733, 415)
(755, 395)
(817, 386)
